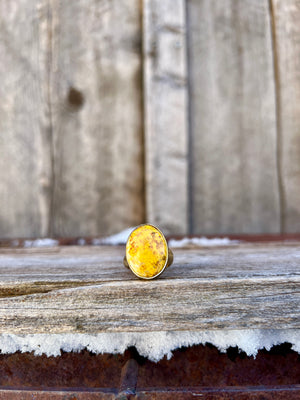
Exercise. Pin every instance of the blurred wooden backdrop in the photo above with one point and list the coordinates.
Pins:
(183, 113)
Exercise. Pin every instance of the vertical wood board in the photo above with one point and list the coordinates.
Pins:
(71, 118)
(233, 118)
(96, 102)
(286, 15)
(25, 126)
(166, 131)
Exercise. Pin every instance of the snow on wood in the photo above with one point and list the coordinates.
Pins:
(202, 241)
(153, 345)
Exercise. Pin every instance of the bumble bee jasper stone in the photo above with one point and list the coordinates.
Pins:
(146, 252)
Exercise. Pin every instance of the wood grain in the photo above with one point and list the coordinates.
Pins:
(286, 33)
(87, 289)
(233, 118)
(165, 99)
(96, 101)
(25, 124)
(71, 126)
(75, 97)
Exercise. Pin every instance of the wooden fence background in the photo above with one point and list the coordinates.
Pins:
(183, 113)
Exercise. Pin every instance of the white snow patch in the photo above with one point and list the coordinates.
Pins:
(153, 345)
(121, 238)
(47, 242)
(202, 241)
(118, 238)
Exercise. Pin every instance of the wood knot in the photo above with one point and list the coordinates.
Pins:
(75, 98)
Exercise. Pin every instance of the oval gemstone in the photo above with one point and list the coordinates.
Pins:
(146, 251)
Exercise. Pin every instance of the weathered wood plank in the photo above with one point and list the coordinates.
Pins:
(76, 264)
(25, 123)
(83, 289)
(96, 102)
(165, 99)
(136, 306)
(233, 117)
(286, 16)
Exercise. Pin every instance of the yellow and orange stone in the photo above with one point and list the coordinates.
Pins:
(147, 252)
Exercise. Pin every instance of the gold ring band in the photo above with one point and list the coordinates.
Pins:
(147, 252)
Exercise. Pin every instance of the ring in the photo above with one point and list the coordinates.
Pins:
(147, 253)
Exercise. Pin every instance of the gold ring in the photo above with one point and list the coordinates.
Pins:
(147, 253)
